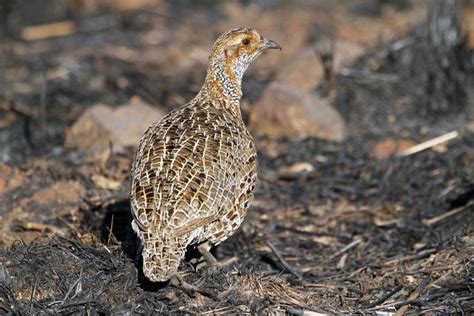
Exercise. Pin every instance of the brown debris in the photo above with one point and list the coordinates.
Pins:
(43, 228)
(60, 192)
(421, 287)
(468, 23)
(38, 32)
(104, 183)
(10, 177)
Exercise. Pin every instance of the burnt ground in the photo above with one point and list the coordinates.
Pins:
(354, 234)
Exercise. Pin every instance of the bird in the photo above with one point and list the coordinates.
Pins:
(194, 171)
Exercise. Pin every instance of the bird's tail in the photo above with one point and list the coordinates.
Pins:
(161, 258)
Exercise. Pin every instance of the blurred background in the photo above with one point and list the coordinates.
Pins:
(364, 124)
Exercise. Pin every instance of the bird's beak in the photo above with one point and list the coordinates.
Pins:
(269, 44)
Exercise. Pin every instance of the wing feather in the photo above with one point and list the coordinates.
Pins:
(184, 173)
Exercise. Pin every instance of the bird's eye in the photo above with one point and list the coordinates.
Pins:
(246, 41)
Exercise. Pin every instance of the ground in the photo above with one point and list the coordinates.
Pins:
(335, 227)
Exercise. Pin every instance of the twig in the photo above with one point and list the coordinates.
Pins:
(422, 300)
(346, 248)
(422, 254)
(394, 47)
(435, 220)
(42, 113)
(416, 302)
(33, 293)
(368, 75)
(43, 228)
(428, 144)
(73, 286)
(383, 298)
(421, 287)
(111, 234)
(38, 32)
(282, 260)
(223, 295)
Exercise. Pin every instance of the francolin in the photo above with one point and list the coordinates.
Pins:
(194, 171)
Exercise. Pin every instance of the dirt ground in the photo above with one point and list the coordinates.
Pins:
(349, 226)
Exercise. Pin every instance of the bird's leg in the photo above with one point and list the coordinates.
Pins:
(210, 260)
(178, 282)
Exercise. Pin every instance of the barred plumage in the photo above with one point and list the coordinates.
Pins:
(195, 170)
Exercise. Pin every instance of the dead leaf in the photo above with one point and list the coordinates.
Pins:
(104, 183)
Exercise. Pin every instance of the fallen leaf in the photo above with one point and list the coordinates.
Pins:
(104, 183)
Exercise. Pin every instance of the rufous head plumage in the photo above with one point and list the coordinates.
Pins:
(230, 56)
(238, 48)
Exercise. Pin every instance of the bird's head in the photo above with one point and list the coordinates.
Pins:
(229, 58)
(235, 50)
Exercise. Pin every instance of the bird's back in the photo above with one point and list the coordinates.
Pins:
(192, 181)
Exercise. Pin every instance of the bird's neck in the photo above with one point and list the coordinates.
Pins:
(223, 83)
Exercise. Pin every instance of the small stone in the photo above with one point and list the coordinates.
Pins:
(390, 146)
(283, 111)
(100, 126)
(440, 149)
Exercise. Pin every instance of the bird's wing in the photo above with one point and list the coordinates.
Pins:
(186, 171)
